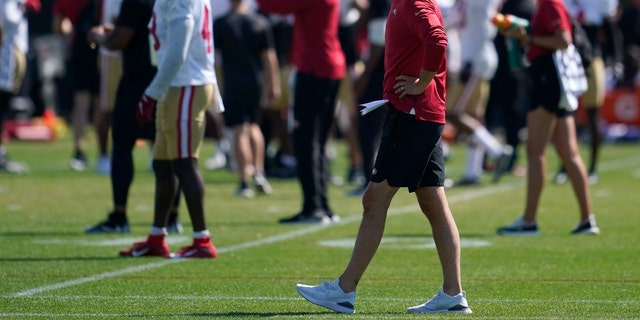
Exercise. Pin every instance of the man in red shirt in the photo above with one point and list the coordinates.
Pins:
(410, 155)
(320, 65)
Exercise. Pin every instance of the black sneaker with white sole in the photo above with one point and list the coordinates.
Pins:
(588, 227)
(111, 225)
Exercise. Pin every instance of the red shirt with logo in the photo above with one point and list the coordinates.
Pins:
(414, 40)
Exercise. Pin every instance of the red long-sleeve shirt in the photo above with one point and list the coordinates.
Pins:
(414, 40)
(316, 49)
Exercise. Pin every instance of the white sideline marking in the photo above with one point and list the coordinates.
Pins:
(289, 298)
(465, 196)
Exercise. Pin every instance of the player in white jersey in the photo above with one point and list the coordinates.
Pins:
(469, 93)
(13, 50)
(181, 36)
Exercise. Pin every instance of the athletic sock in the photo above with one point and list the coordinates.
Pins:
(201, 234)
(483, 137)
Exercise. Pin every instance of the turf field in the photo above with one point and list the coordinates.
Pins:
(50, 269)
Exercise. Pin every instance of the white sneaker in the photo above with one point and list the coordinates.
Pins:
(443, 303)
(103, 166)
(329, 295)
(262, 184)
(217, 161)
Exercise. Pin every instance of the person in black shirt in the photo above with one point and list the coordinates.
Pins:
(250, 72)
(130, 35)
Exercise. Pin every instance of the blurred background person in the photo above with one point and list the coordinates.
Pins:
(630, 27)
(320, 65)
(598, 18)
(251, 80)
(368, 87)
(547, 121)
(508, 96)
(468, 92)
(129, 34)
(75, 18)
(14, 44)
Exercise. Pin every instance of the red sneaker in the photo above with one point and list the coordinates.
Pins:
(154, 246)
(201, 248)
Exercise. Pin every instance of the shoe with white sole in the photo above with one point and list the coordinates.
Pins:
(519, 228)
(329, 295)
(443, 303)
(588, 226)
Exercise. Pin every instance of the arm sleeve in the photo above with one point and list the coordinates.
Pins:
(428, 27)
(10, 15)
(177, 48)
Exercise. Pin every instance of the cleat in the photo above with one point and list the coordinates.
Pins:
(201, 248)
(443, 303)
(154, 246)
(329, 295)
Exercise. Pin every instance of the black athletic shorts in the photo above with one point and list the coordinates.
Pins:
(240, 109)
(545, 86)
(410, 153)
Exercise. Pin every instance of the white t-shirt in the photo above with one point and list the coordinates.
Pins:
(181, 36)
(593, 12)
(476, 36)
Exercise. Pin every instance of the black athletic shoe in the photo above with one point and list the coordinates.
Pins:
(111, 225)
(587, 227)
(317, 217)
(519, 228)
(174, 225)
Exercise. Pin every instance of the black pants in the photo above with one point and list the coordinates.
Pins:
(313, 109)
(125, 132)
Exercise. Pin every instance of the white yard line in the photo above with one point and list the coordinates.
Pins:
(464, 196)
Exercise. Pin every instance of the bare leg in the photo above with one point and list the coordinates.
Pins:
(375, 202)
(80, 117)
(540, 124)
(435, 207)
(257, 147)
(566, 144)
(242, 148)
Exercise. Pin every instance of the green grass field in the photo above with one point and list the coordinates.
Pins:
(50, 269)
